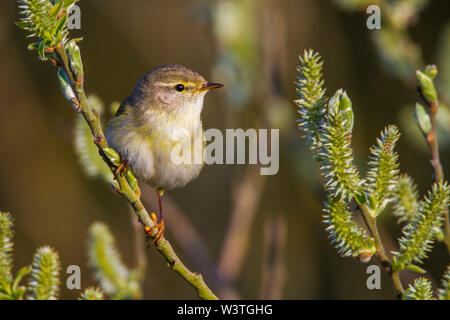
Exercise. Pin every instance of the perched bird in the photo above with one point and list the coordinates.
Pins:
(167, 100)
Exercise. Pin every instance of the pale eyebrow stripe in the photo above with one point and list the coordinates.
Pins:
(165, 84)
(190, 85)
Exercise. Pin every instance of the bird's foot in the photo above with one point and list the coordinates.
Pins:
(122, 167)
(150, 230)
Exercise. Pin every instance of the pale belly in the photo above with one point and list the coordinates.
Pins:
(169, 175)
(154, 163)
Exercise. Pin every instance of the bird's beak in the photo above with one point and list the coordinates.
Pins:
(209, 86)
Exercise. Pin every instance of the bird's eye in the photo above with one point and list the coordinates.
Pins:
(179, 87)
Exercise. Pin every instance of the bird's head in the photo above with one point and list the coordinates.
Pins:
(172, 88)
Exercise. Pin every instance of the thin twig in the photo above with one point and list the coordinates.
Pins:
(381, 252)
(125, 190)
(432, 141)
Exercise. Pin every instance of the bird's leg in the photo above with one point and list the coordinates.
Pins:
(122, 167)
(160, 192)
(158, 225)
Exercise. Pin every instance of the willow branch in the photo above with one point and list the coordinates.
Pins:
(93, 121)
(432, 141)
(381, 252)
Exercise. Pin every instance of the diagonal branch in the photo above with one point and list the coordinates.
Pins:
(93, 120)
(380, 254)
(432, 141)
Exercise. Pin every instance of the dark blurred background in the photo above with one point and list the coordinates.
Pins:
(54, 202)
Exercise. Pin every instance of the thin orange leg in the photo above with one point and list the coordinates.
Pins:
(122, 167)
(160, 225)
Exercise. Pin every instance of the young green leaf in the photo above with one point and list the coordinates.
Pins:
(427, 87)
(73, 52)
(422, 118)
(431, 71)
(45, 20)
(341, 103)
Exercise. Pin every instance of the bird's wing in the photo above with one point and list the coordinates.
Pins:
(122, 109)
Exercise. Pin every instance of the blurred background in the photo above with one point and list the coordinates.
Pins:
(250, 236)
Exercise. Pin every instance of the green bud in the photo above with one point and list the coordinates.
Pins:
(112, 155)
(427, 86)
(333, 103)
(414, 268)
(73, 51)
(61, 23)
(431, 71)
(41, 50)
(346, 108)
(131, 179)
(54, 10)
(23, 272)
(422, 118)
(372, 202)
(341, 103)
(33, 46)
(360, 198)
(66, 88)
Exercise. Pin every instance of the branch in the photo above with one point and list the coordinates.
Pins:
(45, 20)
(380, 254)
(432, 142)
(163, 246)
(428, 126)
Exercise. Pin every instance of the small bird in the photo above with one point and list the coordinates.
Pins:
(166, 100)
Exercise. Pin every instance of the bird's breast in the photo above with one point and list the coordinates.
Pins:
(177, 151)
(166, 152)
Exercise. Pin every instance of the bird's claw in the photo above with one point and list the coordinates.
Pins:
(159, 234)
